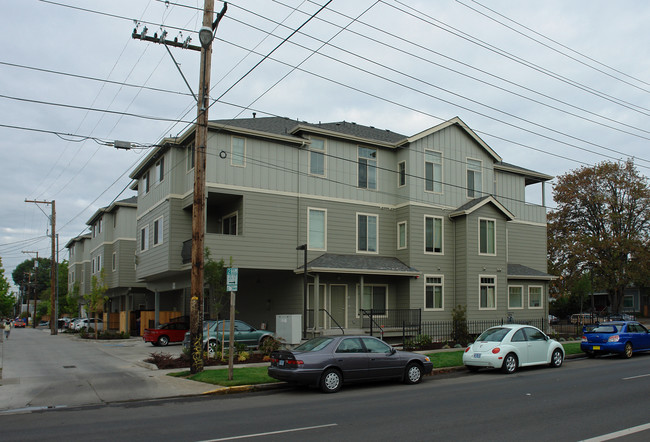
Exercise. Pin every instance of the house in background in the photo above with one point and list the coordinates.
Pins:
(110, 247)
(393, 224)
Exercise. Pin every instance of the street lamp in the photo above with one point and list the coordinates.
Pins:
(205, 36)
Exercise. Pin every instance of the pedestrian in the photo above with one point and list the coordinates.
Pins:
(7, 329)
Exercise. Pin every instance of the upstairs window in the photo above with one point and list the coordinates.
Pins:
(487, 237)
(158, 231)
(160, 170)
(367, 158)
(317, 157)
(474, 178)
(189, 156)
(401, 174)
(433, 171)
(229, 224)
(367, 233)
(401, 235)
(238, 152)
(114, 261)
(145, 183)
(100, 224)
(432, 234)
(144, 238)
(317, 225)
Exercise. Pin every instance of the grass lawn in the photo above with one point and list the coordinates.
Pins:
(241, 376)
(572, 348)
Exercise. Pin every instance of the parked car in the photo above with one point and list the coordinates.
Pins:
(244, 333)
(331, 361)
(553, 319)
(620, 317)
(166, 333)
(20, 323)
(88, 323)
(622, 337)
(511, 346)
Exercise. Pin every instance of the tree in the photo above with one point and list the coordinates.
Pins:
(95, 299)
(601, 225)
(215, 278)
(7, 300)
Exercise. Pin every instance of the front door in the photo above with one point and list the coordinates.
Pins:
(338, 301)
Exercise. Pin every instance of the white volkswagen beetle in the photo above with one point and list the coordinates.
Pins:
(511, 346)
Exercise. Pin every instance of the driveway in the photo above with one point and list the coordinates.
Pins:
(43, 371)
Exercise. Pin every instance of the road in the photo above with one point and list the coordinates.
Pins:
(583, 399)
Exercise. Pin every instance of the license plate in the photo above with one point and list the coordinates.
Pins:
(596, 347)
(281, 362)
(477, 355)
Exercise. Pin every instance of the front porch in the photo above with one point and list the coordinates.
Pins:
(374, 322)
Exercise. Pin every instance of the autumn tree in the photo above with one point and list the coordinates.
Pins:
(601, 225)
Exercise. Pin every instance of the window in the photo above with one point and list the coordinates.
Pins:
(401, 173)
(114, 263)
(351, 345)
(515, 297)
(144, 238)
(487, 237)
(317, 157)
(98, 267)
(238, 152)
(401, 235)
(534, 335)
(100, 224)
(160, 170)
(92, 270)
(229, 224)
(189, 155)
(432, 234)
(474, 178)
(374, 298)
(535, 297)
(519, 336)
(317, 226)
(367, 233)
(367, 167)
(94, 230)
(374, 345)
(487, 293)
(628, 302)
(145, 183)
(433, 298)
(158, 231)
(433, 171)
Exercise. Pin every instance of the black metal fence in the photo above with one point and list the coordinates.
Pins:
(387, 319)
(462, 331)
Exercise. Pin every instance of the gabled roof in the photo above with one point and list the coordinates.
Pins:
(359, 264)
(518, 271)
(454, 121)
(476, 204)
(77, 239)
(127, 202)
(531, 176)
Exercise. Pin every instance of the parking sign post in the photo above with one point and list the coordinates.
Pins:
(232, 278)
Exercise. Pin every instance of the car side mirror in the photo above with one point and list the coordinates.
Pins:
(392, 351)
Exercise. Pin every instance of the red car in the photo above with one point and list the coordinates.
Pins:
(166, 333)
(19, 323)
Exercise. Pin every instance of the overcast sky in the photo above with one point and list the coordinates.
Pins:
(549, 85)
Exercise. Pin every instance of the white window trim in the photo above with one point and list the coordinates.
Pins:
(160, 164)
(522, 297)
(146, 235)
(467, 189)
(399, 184)
(323, 152)
(424, 237)
(495, 236)
(189, 151)
(232, 156)
(442, 172)
(406, 235)
(114, 261)
(541, 297)
(496, 296)
(356, 236)
(319, 209)
(359, 295)
(230, 215)
(442, 284)
(146, 182)
(160, 231)
(376, 166)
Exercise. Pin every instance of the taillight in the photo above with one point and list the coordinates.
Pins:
(294, 362)
(496, 350)
(467, 349)
(614, 338)
(274, 359)
(584, 338)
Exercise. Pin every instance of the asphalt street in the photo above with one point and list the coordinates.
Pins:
(43, 371)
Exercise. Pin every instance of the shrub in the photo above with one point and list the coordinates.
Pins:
(243, 356)
(269, 345)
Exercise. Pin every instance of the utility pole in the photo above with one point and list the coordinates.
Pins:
(206, 35)
(29, 284)
(53, 319)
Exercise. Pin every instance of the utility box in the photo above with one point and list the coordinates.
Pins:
(288, 328)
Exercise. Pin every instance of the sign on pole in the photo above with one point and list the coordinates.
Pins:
(232, 276)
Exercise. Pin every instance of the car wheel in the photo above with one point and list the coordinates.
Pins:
(472, 368)
(509, 364)
(211, 348)
(163, 341)
(331, 381)
(557, 358)
(627, 353)
(413, 374)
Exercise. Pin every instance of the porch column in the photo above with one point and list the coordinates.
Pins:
(157, 308)
(361, 292)
(127, 309)
(316, 299)
(543, 195)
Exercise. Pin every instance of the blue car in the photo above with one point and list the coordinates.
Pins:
(622, 337)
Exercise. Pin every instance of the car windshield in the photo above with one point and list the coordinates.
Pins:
(315, 344)
(493, 335)
(605, 329)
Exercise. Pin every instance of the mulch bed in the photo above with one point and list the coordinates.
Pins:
(165, 360)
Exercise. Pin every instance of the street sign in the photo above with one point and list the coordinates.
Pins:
(232, 276)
